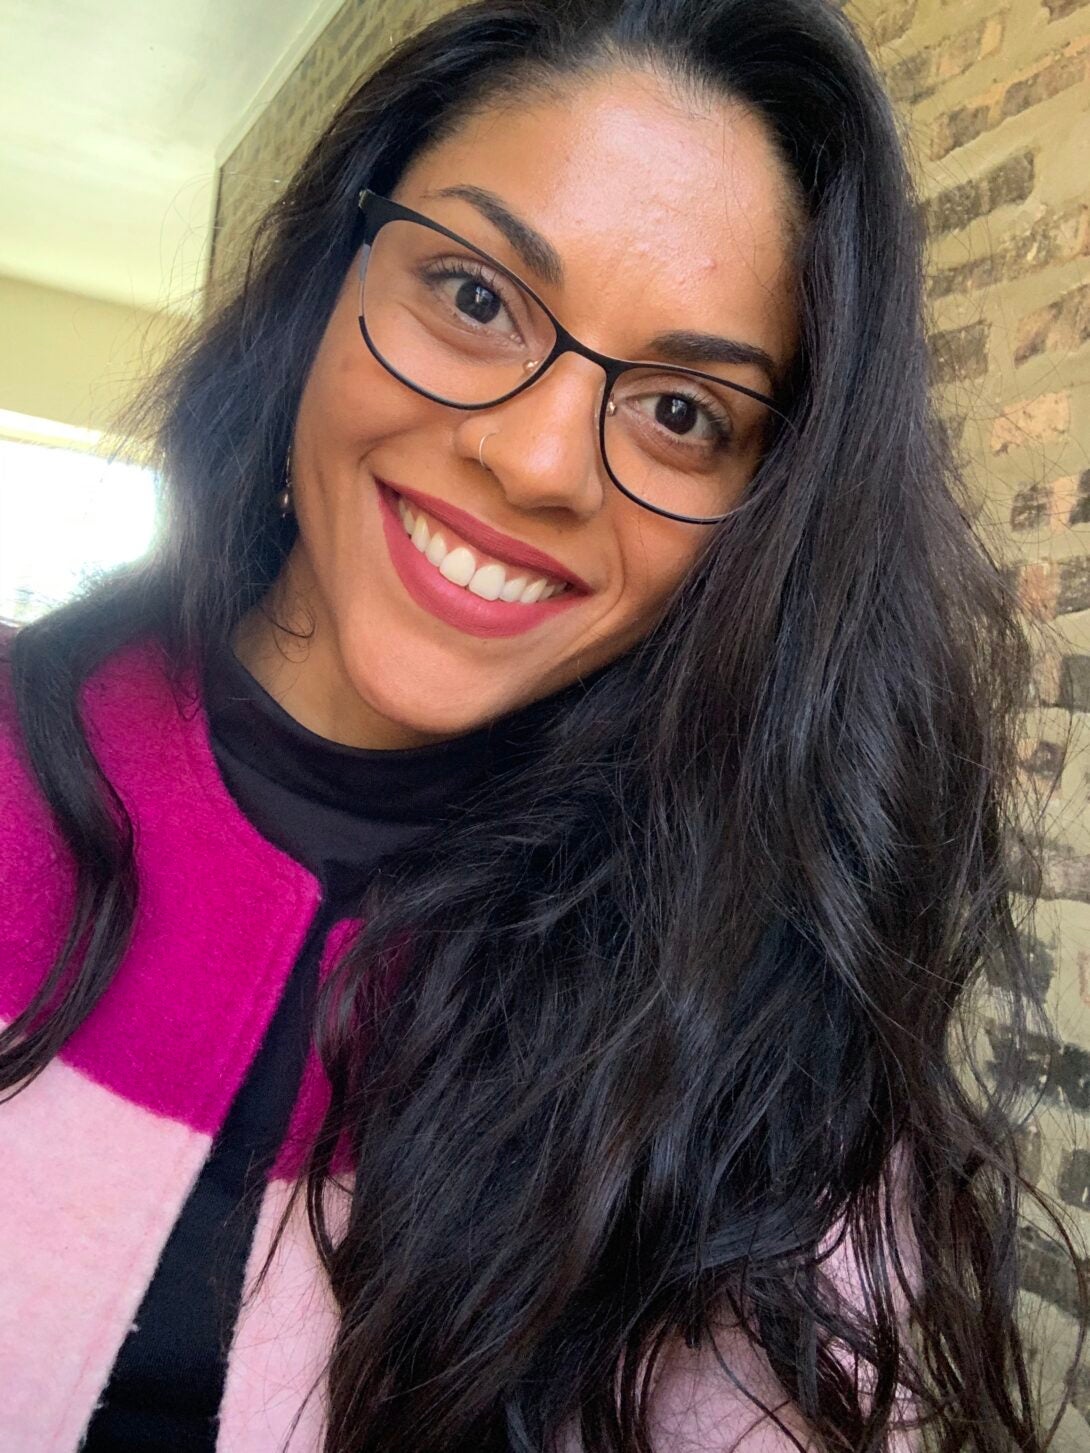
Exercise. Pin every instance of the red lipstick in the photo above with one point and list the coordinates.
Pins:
(452, 603)
(492, 541)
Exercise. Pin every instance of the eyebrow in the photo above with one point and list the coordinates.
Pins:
(683, 346)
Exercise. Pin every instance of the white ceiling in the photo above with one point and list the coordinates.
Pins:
(113, 116)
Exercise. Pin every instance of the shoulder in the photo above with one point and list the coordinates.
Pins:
(117, 706)
(695, 1402)
(137, 720)
(132, 728)
(36, 871)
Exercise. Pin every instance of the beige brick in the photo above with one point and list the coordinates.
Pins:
(960, 353)
(1054, 238)
(1072, 584)
(1054, 507)
(917, 76)
(1029, 508)
(1010, 181)
(1032, 421)
(1065, 501)
(1061, 9)
(1056, 76)
(956, 128)
(891, 22)
(1038, 583)
(1051, 684)
(1080, 508)
(1046, 77)
(1062, 325)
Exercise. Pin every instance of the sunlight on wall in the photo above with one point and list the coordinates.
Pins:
(66, 515)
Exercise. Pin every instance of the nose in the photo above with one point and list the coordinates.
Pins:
(543, 447)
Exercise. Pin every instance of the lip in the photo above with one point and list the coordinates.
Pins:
(490, 540)
(452, 603)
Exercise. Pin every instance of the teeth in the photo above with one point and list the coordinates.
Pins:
(512, 589)
(488, 581)
(459, 566)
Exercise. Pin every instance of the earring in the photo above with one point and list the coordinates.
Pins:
(283, 499)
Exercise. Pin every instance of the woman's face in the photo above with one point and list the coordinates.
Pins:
(664, 216)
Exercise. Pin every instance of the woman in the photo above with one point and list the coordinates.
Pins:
(487, 898)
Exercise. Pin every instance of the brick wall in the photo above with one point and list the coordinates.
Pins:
(995, 99)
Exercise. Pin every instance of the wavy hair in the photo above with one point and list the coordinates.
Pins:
(670, 996)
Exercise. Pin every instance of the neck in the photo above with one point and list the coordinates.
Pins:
(307, 678)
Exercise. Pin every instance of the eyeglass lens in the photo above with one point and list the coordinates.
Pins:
(453, 326)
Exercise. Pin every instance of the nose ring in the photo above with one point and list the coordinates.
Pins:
(611, 408)
(480, 447)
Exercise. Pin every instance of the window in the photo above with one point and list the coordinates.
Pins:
(66, 515)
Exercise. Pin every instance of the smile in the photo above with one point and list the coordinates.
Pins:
(461, 585)
(462, 566)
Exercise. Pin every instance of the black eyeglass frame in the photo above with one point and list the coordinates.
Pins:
(378, 210)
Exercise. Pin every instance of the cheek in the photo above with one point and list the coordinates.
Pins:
(657, 555)
(652, 563)
(323, 403)
(352, 398)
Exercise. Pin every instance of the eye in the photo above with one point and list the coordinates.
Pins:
(471, 292)
(691, 417)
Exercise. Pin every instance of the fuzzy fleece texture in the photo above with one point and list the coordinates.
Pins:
(102, 1149)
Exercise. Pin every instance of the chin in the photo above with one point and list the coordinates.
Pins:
(425, 720)
(422, 699)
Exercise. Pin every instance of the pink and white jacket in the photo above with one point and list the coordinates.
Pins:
(101, 1150)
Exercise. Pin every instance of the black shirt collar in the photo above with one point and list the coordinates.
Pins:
(407, 785)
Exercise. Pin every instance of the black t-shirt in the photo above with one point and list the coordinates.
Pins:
(339, 810)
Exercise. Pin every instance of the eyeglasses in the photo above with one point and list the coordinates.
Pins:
(452, 323)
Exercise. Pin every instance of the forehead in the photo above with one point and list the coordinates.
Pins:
(643, 190)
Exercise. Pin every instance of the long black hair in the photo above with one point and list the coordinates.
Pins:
(672, 995)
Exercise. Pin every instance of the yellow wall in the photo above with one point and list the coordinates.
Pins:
(71, 358)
